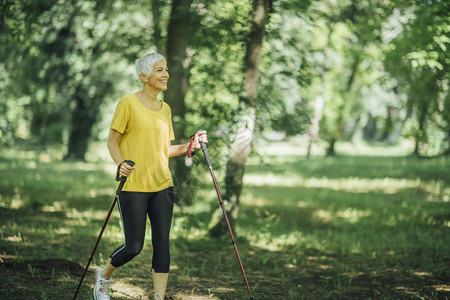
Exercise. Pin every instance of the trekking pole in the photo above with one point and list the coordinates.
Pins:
(123, 179)
(208, 162)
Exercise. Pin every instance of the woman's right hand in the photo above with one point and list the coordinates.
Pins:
(126, 169)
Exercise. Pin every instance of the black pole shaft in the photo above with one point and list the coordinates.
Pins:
(96, 244)
(116, 197)
(216, 186)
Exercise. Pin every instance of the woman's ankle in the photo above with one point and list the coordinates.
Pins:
(108, 270)
(105, 275)
(159, 284)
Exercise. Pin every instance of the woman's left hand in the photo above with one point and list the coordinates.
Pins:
(199, 137)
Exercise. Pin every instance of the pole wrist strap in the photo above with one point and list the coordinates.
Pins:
(190, 152)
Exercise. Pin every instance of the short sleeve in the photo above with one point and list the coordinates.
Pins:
(120, 118)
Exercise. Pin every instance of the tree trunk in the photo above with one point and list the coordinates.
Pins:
(241, 146)
(340, 119)
(319, 100)
(331, 149)
(157, 31)
(419, 134)
(318, 108)
(178, 61)
(83, 119)
(447, 138)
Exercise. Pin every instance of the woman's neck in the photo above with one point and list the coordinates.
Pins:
(149, 94)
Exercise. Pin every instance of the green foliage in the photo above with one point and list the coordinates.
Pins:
(418, 59)
(65, 63)
(65, 56)
(295, 122)
(216, 73)
(286, 73)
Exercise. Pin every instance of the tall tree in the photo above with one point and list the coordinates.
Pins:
(241, 145)
(14, 40)
(418, 60)
(96, 29)
(359, 25)
(159, 41)
(178, 60)
(66, 63)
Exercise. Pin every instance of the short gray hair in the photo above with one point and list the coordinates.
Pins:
(144, 65)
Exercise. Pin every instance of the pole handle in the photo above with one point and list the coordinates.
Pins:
(123, 179)
(206, 154)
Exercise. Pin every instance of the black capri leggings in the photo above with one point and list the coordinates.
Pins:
(134, 207)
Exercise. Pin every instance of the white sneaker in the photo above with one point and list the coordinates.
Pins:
(101, 287)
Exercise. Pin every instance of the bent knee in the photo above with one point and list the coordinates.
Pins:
(133, 250)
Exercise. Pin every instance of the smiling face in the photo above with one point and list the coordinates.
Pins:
(159, 76)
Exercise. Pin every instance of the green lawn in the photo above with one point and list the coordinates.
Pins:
(348, 227)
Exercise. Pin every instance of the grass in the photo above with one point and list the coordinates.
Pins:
(347, 227)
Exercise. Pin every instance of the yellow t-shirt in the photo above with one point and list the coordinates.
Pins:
(145, 140)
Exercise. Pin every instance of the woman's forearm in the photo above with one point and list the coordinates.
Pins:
(113, 146)
(176, 150)
(198, 138)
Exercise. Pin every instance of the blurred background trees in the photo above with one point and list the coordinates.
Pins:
(62, 61)
(374, 71)
(380, 67)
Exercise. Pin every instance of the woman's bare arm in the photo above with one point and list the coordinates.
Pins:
(114, 139)
(175, 150)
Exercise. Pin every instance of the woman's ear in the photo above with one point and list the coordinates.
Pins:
(143, 77)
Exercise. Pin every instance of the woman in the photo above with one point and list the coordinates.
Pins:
(141, 131)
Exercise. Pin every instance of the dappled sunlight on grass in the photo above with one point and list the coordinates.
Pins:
(351, 184)
(442, 287)
(349, 205)
(436, 191)
(339, 223)
(75, 215)
(299, 146)
(14, 239)
(352, 215)
(362, 185)
(127, 287)
(54, 207)
(323, 215)
(274, 243)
